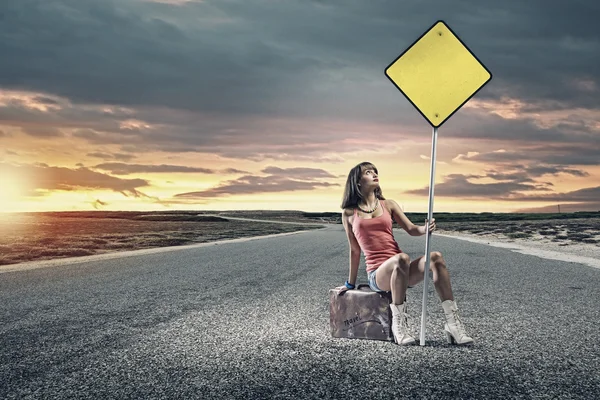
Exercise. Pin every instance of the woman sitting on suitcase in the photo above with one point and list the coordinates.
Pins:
(367, 219)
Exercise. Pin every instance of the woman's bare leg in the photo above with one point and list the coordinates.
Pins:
(455, 331)
(441, 276)
(393, 275)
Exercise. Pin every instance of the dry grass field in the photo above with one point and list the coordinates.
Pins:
(563, 231)
(570, 236)
(43, 236)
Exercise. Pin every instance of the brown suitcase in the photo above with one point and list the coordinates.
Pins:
(360, 314)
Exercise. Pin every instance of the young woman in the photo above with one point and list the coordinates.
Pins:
(367, 219)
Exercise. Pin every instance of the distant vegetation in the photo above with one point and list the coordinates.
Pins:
(466, 217)
(326, 217)
(488, 216)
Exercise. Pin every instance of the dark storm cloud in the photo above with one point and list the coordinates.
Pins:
(510, 183)
(42, 131)
(554, 170)
(588, 194)
(524, 174)
(256, 185)
(178, 131)
(46, 101)
(94, 137)
(233, 171)
(114, 156)
(148, 130)
(520, 177)
(560, 156)
(40, 177)
(95, 123)
(97, 154)
(458, 185)
(129, 53)
(303, 173)
(126, 169)
(288, 58)
(513, 186)
(493, 127)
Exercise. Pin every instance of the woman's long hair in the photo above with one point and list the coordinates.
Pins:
(352, 194)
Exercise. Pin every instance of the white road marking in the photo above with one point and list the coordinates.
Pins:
(547, 254)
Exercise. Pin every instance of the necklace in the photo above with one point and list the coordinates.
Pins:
(370, 211)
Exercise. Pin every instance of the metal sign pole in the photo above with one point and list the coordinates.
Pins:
(428, 235)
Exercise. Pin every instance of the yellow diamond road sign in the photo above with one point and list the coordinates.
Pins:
(438, 74)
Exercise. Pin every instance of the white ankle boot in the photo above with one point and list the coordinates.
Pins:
(400, 324)
(455, 331)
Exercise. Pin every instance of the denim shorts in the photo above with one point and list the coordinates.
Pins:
(373, 283)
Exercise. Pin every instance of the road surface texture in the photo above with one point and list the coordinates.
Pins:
(250, 320)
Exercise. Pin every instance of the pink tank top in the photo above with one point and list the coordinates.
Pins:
(375, 237)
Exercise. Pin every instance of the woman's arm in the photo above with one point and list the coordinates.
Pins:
(354, 250)
(402, 220)
(354, 261)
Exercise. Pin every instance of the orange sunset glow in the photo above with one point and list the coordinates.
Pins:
(189, 105)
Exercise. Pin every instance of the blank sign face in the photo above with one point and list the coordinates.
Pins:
(438, 74)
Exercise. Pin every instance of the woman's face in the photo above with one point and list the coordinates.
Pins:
(369, 178)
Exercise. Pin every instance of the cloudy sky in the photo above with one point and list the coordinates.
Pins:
(267, 104)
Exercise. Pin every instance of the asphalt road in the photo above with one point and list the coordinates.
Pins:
(250, 320)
